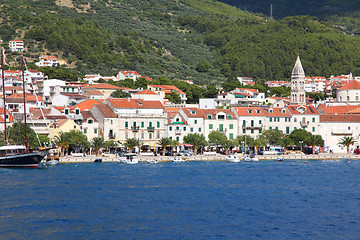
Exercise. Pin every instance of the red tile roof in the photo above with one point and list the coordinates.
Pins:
(168, 88)
(340, 109)
(308, 109)
(102, 86)
(86, 105)
(353, 84)
(146, 92)
(105, 110)
(249, 111)
(134, 103)
(29, 97)
(339, 118)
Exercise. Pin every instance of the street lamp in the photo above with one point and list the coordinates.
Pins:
(301, 142)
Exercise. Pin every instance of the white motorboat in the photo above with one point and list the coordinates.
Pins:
(179, 159)
(52, 162)
(129, 159)
(250, 158)
(152, 161)
(232, 158)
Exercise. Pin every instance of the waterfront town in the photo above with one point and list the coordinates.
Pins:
(54, 106)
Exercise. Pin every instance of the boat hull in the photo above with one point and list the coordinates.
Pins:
(28, 160)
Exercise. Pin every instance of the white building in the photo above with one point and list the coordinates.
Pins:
(47, 61)
(16, 45)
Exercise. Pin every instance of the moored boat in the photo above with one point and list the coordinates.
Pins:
(250, 158)
(232, 158)
(179, 159)
(129, 159)
(17, 156)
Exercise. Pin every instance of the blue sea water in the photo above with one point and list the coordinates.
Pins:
(193, 200)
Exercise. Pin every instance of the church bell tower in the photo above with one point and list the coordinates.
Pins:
(298, 95)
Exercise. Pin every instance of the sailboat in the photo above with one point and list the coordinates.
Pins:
(18, 155)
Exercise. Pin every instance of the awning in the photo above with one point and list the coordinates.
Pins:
(188, 145)
(146, 144)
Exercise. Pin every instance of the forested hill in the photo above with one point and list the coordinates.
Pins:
(201, 40)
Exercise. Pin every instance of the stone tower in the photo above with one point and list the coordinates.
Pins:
(298, 95)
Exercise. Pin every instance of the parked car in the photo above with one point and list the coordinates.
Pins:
(357, 150)
(185, 153)
(167, 153)
(274, 151)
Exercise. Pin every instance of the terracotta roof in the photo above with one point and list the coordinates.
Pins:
(105, 110)
(130, 72)
(146, 92)
(36, 113)
(86, 105)
(94, 92)
(308, 109)
(193, 112)
(340, 109)
(354, 84)
(169, 109)
(86, 115)
(277, 112)
(102, 86)
(339, 118)
(29, 97)
(134, 103)
(74, 95)
(10, 119)
(214, 112)
(249, 111)
(168, 87)
(172, 115)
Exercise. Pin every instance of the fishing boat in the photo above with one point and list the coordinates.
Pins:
(18, 155)
(152, 161)
(178, 159)
(129, 158)
(250, 158)
(232, 158)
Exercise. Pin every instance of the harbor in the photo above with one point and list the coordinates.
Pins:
(217, 157)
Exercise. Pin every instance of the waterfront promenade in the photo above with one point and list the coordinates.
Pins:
(217, 157)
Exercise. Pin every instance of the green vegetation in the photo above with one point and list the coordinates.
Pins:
(201, 40)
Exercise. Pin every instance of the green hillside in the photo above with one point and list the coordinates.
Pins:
(201, 40)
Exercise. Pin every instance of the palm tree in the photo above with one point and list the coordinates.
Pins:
(314, 140)
(285, 142)
(164, 142)
(174, 144)
(347, 141)
(62, 141)
(97, 143)
(131, 143)
(195, 139)
(259, 142)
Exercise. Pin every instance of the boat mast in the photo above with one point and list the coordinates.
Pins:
(3, 88)
(23, 80)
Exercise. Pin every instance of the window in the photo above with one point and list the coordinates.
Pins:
(231, 126)
(134, 124)
(77, 111)
(287, 130)
(142, 135)
(95, 130)
(111, 122)
(170, 128)
(66, 111)
(199, 129)
(259, 130)
(252, 130)
(252, 123)
(150, 124)
(221, 117)
(295, 119)
(229, 117)
(158, 134)
(294, 128)
(150, 135)
(210, 126)
(193, 112)
(177, 127)
(244, 131)
(209, 117)
(221, 127)
(195, 121)
(170, 138)
(313, 129)
(74, 126)
(259, 121)
(191, 129)
(184, 128)
(126, 135)
(126, 124)
(177, 139)
(270, 119)
(90, 121)
(313, 119)
(276, 128)
(231, 136)
(85, 130)
(142, 124)
(270, 128)
(244, 122)
(158, 124)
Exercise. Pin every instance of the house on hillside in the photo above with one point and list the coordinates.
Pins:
(16, 45)
(164, 90)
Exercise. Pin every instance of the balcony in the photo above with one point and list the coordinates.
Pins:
(177, 132)
(304, 124)
(135, 128)
(342, 132)
(150, 129)
(257, 126)
(111, 135)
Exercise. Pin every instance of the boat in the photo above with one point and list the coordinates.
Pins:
(279, 159)
(18, 155)
(250, 158)
(179, 159)
(52, 162)
(152, 161)
(232, 158)
(98, 160)
(128, 158)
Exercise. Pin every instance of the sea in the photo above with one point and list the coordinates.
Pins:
(299, 199)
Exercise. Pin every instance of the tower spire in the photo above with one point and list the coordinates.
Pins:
(298, 83)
